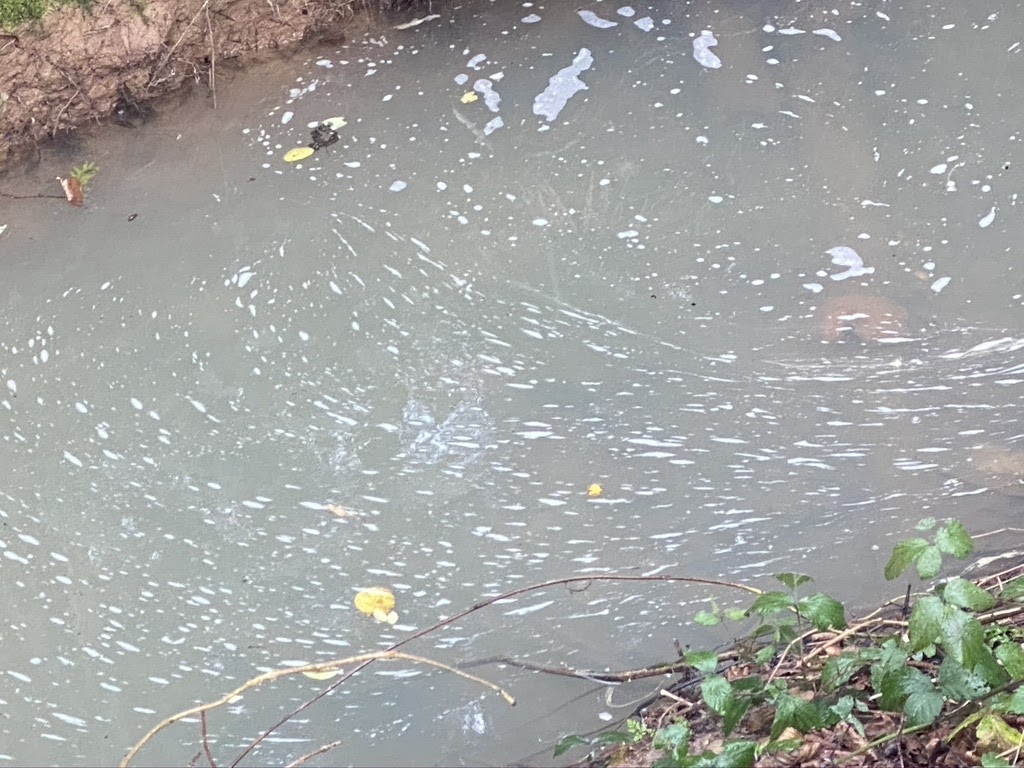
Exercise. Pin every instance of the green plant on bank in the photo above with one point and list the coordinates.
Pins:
(15, 13)
(84, 173)
(980, 667)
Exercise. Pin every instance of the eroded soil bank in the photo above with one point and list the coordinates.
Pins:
(75, 68)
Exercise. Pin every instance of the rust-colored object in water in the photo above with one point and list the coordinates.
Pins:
(869, 318)
(996, 467)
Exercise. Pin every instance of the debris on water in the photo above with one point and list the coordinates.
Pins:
(845, 256)
(486, 89)
(702, 50)
(941, 283)
(417, 22)
(533, 18)
(988, 218)
(493, 125)
(596, 21)
(476, 61)
(645, 24)
(938, 169)
(469, 98)
(562, 86)
(398, 186)
(287, 118)
(792, 31)
(626, 12)
(831, 34)
(323, 135)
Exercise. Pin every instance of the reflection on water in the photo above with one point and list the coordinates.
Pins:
(769, 306)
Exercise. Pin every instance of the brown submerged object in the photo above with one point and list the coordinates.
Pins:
(995, 467)
(867, 317)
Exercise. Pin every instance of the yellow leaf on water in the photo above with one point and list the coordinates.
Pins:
(374, 599)
(594, 490)
(469, 98)
(389, 617)
(299, 153)
(339, 510)
(335, 123)
(327, 675)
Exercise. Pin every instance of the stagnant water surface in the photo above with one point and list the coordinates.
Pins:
(771, 306)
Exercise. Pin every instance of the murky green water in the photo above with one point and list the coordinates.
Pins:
(451, 325)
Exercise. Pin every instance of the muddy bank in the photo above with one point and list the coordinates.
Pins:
(75, 68)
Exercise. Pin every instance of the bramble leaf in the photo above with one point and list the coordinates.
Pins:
(793, 580)
(794, 712)
(707, 619)
(953, 539)
(929, 563)
(904, 555)
(963, 637)
(705, 662)
(1012, 657)
(926, 622)
(770, 602)
(967, 594)
(717, 693)
(1014, 589)
(824, 612)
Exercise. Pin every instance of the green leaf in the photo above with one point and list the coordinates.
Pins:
(824, 612)
(992, 760)
(675, 738)
(735, 614)
(929, 563)
(568, 743)
(926, 622)
(953, 539)
(1013, 589)
(994, 733)
(923, 707)
(892, 685)
(766, 654)
(717, 693)
(904, 555)
(838, 671)
(705, 662)
(1016, 705)
(963, 637)
(960, 684)
(734, 754)
(734, 712)
(707, 619)
(926, 524)
(1012, 658)
(769, 603)
(794, 712)
(793, 580)
(967, 595)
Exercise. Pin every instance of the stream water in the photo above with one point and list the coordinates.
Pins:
(772, 307)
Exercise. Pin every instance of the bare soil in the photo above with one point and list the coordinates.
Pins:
(75, 68)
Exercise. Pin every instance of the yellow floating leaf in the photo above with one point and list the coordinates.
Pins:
(339, 510)
(326, 675)
(299, 153)
(469, 98)
(375, 599)
(594, 490)
(335, 123)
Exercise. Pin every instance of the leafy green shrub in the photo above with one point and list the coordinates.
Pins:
(973, 668)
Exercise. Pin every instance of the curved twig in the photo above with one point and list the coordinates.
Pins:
(587, 580)
(274, 674)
